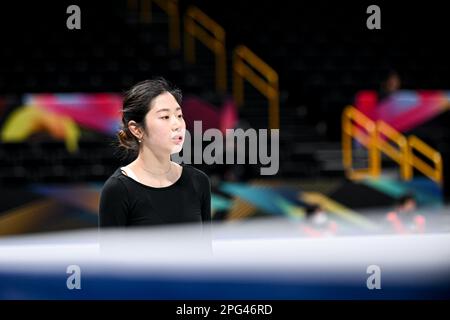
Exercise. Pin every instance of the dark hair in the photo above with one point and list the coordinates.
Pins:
(136, 104)
(405, 198)
(311, 209)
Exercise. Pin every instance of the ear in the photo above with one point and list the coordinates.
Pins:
(135, 129)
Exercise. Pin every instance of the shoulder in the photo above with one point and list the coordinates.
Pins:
(194, 172)
(197, 176)
(114, 184)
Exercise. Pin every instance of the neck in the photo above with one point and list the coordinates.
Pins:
(157, 163)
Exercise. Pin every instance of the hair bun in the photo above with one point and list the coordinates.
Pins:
(126, 140)
(123, 134)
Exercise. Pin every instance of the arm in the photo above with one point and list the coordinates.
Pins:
(113, 210)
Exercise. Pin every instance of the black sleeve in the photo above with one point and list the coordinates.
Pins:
(113, 209)
(206, 198)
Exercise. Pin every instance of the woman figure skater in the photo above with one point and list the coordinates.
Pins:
(152, 189)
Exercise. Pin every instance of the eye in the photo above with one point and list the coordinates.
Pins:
(165, 117)
(180, 116)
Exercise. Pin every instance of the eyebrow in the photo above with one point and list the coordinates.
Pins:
(165, 109)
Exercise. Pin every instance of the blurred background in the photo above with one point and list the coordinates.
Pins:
(363, 114)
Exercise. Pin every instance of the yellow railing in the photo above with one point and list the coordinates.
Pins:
(386, 133)
(366, 137)
(435, 173)
(196, 25)
(377, 138)
(243, 58)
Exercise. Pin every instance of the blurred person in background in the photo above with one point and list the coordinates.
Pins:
(405, 219)
(318, 222)
(390, 85)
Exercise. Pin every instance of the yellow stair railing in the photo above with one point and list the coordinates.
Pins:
(435, 173)
(387, 134)
(196, 25)
(267, 84)
(377, 138)
(246, 64)
(365, 134)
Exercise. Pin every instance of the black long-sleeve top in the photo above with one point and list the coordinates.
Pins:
(127, 202)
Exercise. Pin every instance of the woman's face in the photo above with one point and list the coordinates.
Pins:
(165, 125)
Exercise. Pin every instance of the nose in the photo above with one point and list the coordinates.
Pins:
(177, 123)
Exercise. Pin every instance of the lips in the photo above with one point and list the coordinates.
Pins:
(177, 139)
